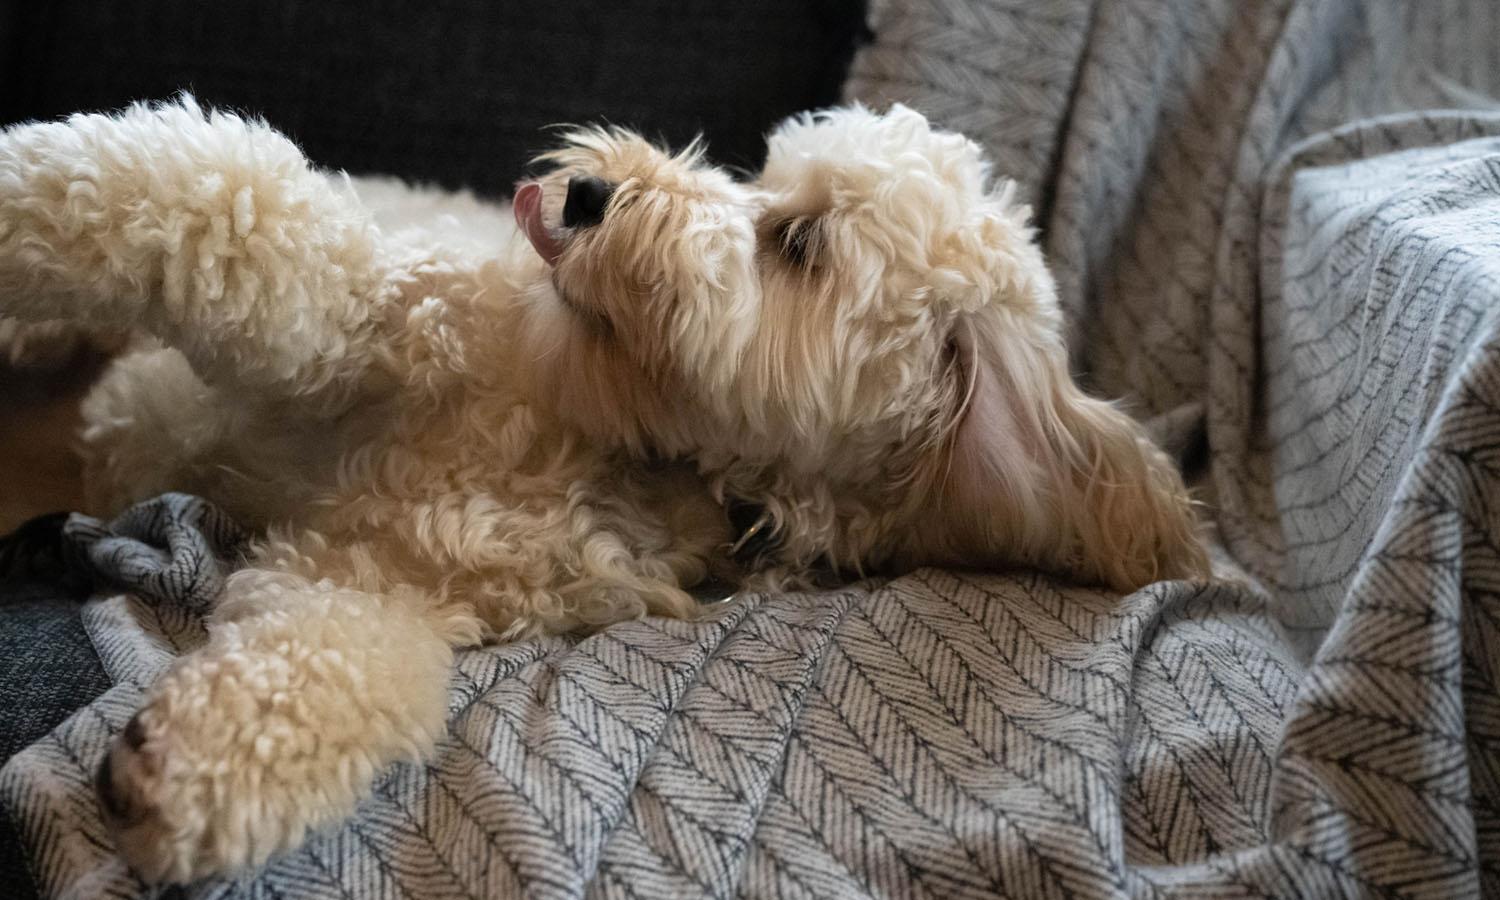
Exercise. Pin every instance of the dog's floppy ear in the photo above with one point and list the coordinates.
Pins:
(1033, 471)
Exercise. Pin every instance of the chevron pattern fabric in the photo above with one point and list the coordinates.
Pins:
(1285, 215)
(945, 734)
(1276, 223)
(173, 548)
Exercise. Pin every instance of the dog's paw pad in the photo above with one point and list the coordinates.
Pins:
(124, 785)
(117, 782)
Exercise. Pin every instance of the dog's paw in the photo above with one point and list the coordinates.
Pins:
(180, 811)
(161, 825)
(214, 782)
(276, 727)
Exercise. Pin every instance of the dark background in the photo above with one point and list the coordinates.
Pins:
(451, 92)
(454, 92)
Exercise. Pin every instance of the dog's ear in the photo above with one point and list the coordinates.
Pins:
(1034, 472)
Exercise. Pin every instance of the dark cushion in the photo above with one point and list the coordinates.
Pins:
(48, 669)
(455, 92)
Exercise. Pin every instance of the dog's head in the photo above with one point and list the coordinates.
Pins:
(864, 341)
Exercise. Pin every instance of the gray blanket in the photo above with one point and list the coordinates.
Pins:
(1280, 219)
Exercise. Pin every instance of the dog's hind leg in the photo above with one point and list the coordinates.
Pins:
(304, 693)
(208, 230)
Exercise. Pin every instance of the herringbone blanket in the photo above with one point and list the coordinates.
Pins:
(1278, 219)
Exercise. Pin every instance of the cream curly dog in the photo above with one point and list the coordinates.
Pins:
(452, 432)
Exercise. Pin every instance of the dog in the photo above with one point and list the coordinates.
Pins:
(852, 363)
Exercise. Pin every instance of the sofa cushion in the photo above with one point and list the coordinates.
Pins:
(456, 92)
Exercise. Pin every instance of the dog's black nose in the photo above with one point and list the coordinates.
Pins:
(587, 196)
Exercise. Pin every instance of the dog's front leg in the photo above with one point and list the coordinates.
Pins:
(209, 231)
(303, 693)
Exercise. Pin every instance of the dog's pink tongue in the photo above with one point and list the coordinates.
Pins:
(528, 210)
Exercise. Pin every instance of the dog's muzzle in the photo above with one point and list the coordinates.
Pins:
(584, 206)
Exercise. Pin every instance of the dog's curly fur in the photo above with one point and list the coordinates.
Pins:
(447, 439)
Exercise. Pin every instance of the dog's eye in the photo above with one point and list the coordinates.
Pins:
(796, 240)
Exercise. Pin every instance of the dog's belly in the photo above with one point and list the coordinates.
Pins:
(476, 505)
(531, 531)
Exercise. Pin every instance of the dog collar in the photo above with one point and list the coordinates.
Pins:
(757, 531)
